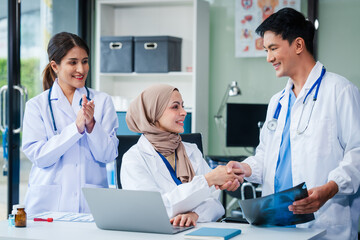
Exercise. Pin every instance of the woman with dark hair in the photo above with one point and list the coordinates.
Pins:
(68, 139)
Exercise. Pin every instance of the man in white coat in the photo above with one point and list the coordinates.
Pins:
(311, 133)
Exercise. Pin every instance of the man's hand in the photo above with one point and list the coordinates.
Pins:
(316, 199)
(220, 175)
(244, 170)
(240, 169)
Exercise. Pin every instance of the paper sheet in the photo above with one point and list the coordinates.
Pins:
(64, 216)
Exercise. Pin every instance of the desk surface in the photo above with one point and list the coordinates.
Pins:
(78, 230)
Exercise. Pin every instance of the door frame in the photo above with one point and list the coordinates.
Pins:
(85, 26)
(13, 102)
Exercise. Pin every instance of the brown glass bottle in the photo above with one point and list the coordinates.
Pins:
(20, 216)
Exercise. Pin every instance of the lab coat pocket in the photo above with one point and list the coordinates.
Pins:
(320, 129)
(43, 198)
(335, 216)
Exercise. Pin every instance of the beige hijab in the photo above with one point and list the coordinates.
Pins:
(141, 116)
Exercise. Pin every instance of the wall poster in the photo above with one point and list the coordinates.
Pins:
(249, 14)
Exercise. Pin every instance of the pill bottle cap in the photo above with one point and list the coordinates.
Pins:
(20, 206)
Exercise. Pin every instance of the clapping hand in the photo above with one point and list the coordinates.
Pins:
(85, 117)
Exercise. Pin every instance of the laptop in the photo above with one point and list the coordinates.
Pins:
(129, 210)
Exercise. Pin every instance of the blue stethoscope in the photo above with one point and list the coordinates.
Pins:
(272, 124)
(51, 111)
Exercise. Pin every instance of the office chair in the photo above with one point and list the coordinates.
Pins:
(246, 191)
(193, 138)
(127, 141)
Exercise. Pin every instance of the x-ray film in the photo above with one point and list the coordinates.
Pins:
(273, 209)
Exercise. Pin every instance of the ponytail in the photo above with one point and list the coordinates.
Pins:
(59, 45)
(48, 77)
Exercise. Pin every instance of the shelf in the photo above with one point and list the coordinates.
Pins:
(186, 19)
(169, 74)
(144, 3)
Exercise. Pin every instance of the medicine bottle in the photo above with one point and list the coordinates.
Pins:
(20, 216)
(12, 216)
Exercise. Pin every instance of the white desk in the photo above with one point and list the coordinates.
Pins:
(77, 231)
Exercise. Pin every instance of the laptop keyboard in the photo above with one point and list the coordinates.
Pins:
(177, 229)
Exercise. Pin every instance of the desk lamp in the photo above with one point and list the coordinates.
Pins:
(231, 91)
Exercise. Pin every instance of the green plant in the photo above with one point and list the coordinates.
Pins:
(29, 76)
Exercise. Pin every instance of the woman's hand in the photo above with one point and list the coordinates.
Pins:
(88, 111)
(242, 170)
(85, 117)
(220, 175)
(80, 119)
(185, 219)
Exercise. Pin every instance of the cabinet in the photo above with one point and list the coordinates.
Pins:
(187, 19)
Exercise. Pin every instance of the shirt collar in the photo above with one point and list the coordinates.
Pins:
(58, 94)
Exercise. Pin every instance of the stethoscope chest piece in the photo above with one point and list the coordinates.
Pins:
(272, 124)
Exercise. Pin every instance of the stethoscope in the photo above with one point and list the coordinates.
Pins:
(51, 111)
(272, 124)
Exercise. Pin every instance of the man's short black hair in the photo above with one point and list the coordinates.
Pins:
(290, 24)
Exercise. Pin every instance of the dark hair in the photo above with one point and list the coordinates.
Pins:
(290, 24)
(59, 45)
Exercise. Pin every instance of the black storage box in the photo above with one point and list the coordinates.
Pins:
(117, 54)
(157, 54)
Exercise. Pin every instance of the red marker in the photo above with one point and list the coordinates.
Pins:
(43, 219)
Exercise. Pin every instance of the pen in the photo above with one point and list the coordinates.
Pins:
(43, 219)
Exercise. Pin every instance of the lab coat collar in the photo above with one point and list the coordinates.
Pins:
(311, 79)
(78, 95)
(145, 147)
(285, 99)
(59, 101)
(153, 160)
(313, 76)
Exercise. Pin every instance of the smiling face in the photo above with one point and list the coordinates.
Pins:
(281, 54)
(172, 120)
(73, 69)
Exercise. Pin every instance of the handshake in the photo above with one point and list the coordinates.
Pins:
(228, 177)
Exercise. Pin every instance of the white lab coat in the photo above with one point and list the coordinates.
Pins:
(143, 169)
(329, 149)
(64, 163)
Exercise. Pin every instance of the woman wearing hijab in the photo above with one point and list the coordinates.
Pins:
(161, 162)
